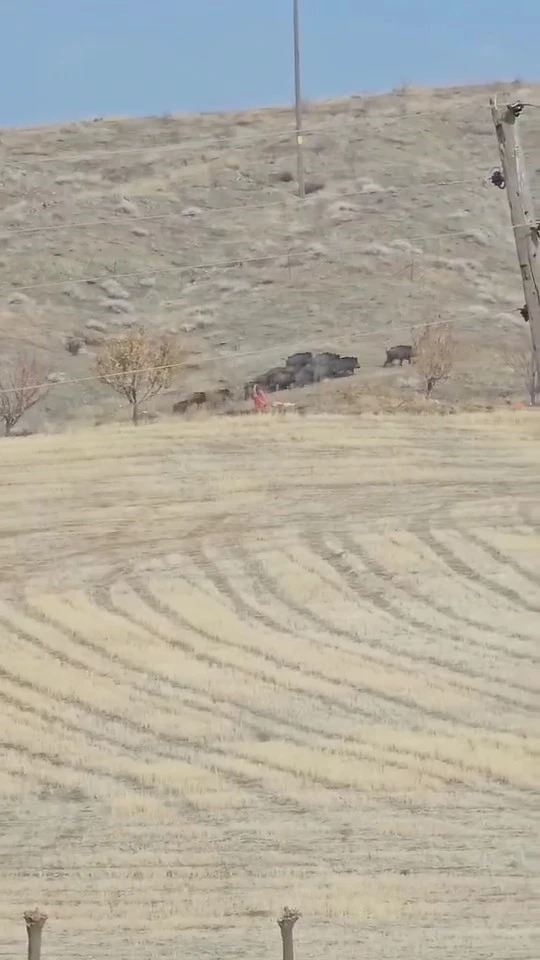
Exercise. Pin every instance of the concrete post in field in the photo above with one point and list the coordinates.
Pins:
(286, 923)
(524, 222)
(35, 921)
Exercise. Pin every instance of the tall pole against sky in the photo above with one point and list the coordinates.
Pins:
(298, 102)
(524, 222)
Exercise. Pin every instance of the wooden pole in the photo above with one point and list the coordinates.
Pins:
(35, 921)
(521, 214)
(298, 103)
(286, 923)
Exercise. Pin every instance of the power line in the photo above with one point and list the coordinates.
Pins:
(285, 202)
(126, 276)
(195, 145)
(169, 366)
(233, 261)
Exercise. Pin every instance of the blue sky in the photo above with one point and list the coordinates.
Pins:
(68, 59)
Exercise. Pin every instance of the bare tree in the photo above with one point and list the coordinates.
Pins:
(286, 923)
(35, 921)
(435, 354)
(522, 362)
(21, 387)
(138, 366)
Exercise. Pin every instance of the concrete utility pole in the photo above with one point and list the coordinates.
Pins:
(298, 103)
(526, 228)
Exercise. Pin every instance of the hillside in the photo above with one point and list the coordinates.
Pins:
(191, 224)
(263, 661)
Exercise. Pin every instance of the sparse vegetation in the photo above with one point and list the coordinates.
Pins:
(138, 366)
(73, 345)
(22, 386)
(435, 352)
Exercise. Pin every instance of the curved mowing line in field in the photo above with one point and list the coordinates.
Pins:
(216, 707)
(295, 729)
(245, 781)
(382, 596)
(160, 604)
(284, 594)
(406, 756)
(353, 582)
(48, 759)
(102, 653)
(156, 605)
(91, 736)
(357, 549)
(66, 638)
(493, 563)
(175, 742)
(484, 695)
(395, 700)
(210, 760)
(357, 753)
(244, 710)
(463, 570)
(250, 610)
(477, 538)
(285, 769)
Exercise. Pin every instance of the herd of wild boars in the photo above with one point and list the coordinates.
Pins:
(203, 398)
(299, 370)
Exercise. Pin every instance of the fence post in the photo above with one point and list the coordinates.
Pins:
(286, 923)
(35, 921)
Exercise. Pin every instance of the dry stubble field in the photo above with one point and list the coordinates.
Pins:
(266, 662)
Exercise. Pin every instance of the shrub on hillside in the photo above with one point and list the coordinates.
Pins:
(435, 354)
(22, 386)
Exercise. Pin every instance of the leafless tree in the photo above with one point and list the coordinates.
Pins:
(138, 366)
(522, 362)
(22, 386)
(435, 354)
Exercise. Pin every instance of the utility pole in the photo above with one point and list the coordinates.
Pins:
(524, 223)
(298, 103)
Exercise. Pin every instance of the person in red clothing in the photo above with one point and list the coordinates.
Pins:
(259, 399)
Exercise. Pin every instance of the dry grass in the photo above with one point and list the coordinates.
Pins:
(269, 660)
(379, 249)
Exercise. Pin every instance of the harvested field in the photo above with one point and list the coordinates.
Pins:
(273, 660)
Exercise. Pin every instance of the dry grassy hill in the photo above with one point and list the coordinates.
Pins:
(268, 661)
(162, 220)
